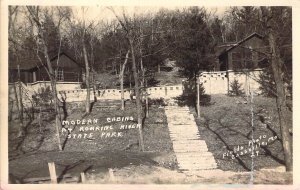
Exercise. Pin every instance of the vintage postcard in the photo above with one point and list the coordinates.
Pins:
(188, 94)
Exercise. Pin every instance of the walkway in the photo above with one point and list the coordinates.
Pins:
(191, 152)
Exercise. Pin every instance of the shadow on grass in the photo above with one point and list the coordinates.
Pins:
(26, 135)
(240, 161)
(219, 132)
(68, 168)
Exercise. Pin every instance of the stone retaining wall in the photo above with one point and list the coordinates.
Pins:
(219, 82)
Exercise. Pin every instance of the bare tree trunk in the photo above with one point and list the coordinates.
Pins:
(122, 80)
(17, 98)
(20, 94)
(20, 102)
(87, 80)
(138, 99)
(130, 38)
(141, 55)
(54, 91)
(283, 110)
(276, 65)
(130, 80)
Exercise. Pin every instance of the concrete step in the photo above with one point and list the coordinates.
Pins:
(173, 112)
(184, 132)
(187, 138)
(175, 139)
(183, 150)
(191, 152)
(195, 148)
(183, 141)
(189, 124)
(196, 158)
(181, 121)
(197, 163)
(183, 128)
(192, 138)
(184, 136)
(176, 108)
(196, 168)
(195, 154)
(179, 138)
(192, 144)
(180, 114)
(192, 147)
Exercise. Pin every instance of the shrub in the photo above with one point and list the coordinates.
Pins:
(267, 84)
(189, 96)
(236, 88)
(156, 101)
(43, 97)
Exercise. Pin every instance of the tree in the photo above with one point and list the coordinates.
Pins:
(240, 22)
(39, 16)
(122, 80)
(14, 52)
(275, 24)
(273, 18)
(130, 29)
(80, 36)
(194, 43)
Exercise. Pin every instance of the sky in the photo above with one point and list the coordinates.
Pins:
(103, 13)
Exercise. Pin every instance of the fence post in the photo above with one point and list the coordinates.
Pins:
(111, 174)
(52, 172)
(83, 179)
(198, 96)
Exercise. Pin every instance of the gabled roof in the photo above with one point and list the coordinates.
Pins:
(67, 55)
(234, 45)
(31, 61)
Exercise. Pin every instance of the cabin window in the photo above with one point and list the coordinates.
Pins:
(60, 75)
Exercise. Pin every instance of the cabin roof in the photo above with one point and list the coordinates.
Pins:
(228, 47)
(32, 62)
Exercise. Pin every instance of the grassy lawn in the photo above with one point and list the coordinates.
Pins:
(225, 125)
(29, 154)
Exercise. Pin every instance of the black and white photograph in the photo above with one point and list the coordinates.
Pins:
(150, 95)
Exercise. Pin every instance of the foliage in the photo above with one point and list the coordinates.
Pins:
(43, 97)
(194, 48)
(236, 88)
(267, 84)
(189, 96)
(156, 101)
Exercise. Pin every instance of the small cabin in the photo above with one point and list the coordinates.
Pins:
(245, 54)
(66, 68)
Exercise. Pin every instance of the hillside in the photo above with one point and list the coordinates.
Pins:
(108, 81)
(169, 78)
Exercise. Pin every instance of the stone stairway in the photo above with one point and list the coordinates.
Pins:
(191, 152)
